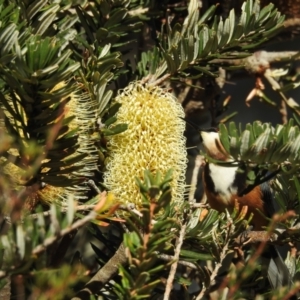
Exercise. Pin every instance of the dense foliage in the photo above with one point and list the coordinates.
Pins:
(63, 234)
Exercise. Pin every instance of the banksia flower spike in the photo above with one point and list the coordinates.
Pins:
(154, 141)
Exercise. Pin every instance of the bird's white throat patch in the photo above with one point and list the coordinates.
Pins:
(223, 178)
(209, 139)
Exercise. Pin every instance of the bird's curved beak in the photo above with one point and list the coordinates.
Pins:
(195, 126)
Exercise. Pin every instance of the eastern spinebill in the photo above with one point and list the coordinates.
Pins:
(224, 185)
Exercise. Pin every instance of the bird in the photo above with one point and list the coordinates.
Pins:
(224, 186)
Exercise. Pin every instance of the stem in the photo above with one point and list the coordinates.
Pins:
(107, 272)
(171, 277)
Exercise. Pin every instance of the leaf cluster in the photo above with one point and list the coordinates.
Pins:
(53, 68)
(25, 241)
(148, 236)
(53, 53)
(187, 50)
(264, 145)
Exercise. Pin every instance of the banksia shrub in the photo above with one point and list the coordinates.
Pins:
(154, 141)
(77, 112)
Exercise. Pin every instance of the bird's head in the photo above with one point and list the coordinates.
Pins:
(210, 139)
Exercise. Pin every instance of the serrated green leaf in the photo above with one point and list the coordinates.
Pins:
(272, 146)
(45, 71)
(105, 51)
(205, 71)
(231, 25)
(195, 255)
(66, 162)
(104, 100)
(13, 38)
(144, 292)
(115, 18)
(238, 32)
(131, 240)
(208, 14)
(214, 46)
(207, 42)
(127, 280)
(250, 24)
(265, 12)
(225, 33)
(295, 149)
(282, 153)
(114, 108)
(110, 121)
(224, 137)
(66, 170)
(245, 142)
(142, 279)
(248, 9)
(34, 8)
(59, 181)
(233, 130)
(65, 144)
(6, 33)
(119, 128)
(170, 62)
(297, 184)
(46, 21)
(10, 110)
(243, 19)
(257, 128)
(261, 142)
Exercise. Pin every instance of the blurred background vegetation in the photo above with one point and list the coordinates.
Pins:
(62, 63)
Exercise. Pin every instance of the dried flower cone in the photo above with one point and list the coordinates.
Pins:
(154, 140)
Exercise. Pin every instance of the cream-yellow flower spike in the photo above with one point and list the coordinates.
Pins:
(154, 140)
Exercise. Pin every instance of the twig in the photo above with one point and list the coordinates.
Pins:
(169, 258)
(125, 228)
(138, 11)
(131, 207)
(223, 254)
(93, 185)
(291, 22)
(88, 207)
(290, 102)
(63, 210)
(173, 269)
(198, 205)
(215, 271)
(160, 80)
(272, 235)
(283, 112)
(109, 270)
(254, 237)
(257, 60)
(49, 241)
(198, 163)
(182, 96)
